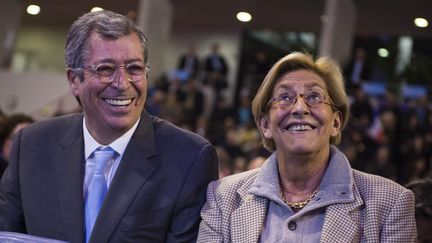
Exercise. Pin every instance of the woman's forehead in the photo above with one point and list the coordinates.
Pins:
(300, 78)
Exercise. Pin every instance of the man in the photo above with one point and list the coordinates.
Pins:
(358, 70)
(216, 70)
(189, 62)
(154, 184)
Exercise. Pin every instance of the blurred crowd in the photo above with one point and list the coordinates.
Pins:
(388, 135)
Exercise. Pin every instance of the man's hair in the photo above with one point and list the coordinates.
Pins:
(108, 25)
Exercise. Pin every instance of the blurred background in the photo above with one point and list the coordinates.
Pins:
(384, 47)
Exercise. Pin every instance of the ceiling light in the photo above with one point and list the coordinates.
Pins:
(421, 22)
(33, 9)
(383, 52)
(244, 16)
(96, 9)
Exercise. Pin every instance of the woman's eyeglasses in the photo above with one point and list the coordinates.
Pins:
(311, 98)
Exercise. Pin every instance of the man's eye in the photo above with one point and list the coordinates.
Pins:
(135, 69)
(105, 70)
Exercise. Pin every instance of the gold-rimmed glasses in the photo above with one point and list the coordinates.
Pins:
(311, 98)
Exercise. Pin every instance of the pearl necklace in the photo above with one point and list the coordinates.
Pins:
(298, 205)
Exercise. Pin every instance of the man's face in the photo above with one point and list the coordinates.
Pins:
(110, 109)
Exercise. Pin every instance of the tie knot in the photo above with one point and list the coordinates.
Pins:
(101, 157)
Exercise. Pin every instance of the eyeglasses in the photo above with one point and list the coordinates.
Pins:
(107, 72)
(311, 98)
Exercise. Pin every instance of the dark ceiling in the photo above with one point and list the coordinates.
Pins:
(373, 16)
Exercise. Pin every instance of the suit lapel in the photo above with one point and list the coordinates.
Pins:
(133, 171)
(68, 160)
(341, 223)
(248, 219)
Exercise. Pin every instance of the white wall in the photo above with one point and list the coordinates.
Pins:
(35, 93)
(39, 48)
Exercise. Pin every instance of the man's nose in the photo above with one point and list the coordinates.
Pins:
(121, 79)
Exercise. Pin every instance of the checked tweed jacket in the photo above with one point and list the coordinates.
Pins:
(382, 211)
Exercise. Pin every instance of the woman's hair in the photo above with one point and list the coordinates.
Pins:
(108, 25)
(326, 68)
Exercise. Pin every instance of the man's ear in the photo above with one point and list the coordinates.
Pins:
(337, 123)
(74, 82)
(264, 125)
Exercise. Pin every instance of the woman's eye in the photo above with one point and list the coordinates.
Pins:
(286, 97)
(314, 97)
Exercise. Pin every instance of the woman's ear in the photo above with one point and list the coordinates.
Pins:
(337, 123)
(264, 125)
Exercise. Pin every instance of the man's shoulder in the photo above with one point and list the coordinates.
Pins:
(55, 125)
(63, 120)
(166, 131)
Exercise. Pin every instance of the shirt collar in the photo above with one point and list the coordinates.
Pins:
(337, 178)
(119, 145)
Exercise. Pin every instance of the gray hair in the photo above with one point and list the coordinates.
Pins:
(108, 25)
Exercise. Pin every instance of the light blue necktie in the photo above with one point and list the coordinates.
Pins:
(96, 188)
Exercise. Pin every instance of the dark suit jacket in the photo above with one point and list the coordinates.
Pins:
(195, 63)
(365, 73)
(3, 165)
(155, 196)
(209, 67)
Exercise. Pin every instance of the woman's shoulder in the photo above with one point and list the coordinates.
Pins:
(376, 186)
(232, 183)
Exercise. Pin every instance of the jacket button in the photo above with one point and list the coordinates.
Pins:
(292, 225)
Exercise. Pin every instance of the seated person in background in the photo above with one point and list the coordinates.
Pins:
(306, 191)
(423, 208)
(9, 127)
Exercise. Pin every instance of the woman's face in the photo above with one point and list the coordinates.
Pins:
(301, 129)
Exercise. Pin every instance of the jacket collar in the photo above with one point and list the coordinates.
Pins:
(134, 170)
(68, 160)
(248, 219)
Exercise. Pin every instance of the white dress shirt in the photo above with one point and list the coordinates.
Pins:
(90, 145)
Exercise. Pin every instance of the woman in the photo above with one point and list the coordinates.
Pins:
(306, 190)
